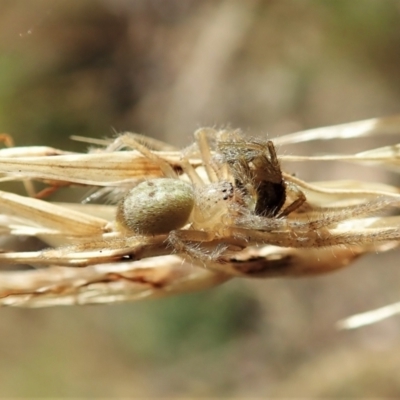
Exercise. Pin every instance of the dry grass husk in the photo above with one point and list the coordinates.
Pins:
(81, 266)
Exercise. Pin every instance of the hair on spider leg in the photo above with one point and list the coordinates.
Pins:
(317, 219)
(200, 251)
(105, 195)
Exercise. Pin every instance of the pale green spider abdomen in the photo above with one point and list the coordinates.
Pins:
(156, 207)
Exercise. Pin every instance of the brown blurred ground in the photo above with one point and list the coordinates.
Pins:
(164, 68)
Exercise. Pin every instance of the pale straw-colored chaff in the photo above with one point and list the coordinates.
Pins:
(89, 261)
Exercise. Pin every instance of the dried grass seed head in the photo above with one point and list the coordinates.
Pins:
(127, 268)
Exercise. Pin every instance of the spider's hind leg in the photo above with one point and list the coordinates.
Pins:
(128, 140)
(300, 200)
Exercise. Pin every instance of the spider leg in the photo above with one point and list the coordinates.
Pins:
(319, 238)
(215, 171)
(332, 216)
(273, 158)
(191, 172)
(311, 221)
(128, 140)
(301, 198)
(201, 245)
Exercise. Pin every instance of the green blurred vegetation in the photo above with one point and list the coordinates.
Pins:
(164, 68)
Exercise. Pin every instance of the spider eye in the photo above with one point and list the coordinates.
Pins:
(156, 206)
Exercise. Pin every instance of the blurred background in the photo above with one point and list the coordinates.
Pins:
(165, 68)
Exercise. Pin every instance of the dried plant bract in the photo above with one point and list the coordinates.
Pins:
(181, 221)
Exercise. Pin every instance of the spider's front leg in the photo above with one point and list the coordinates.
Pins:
(315, 220)
(324, 237)
(203, 246)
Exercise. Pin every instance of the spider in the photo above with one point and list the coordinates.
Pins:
(243, 200)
